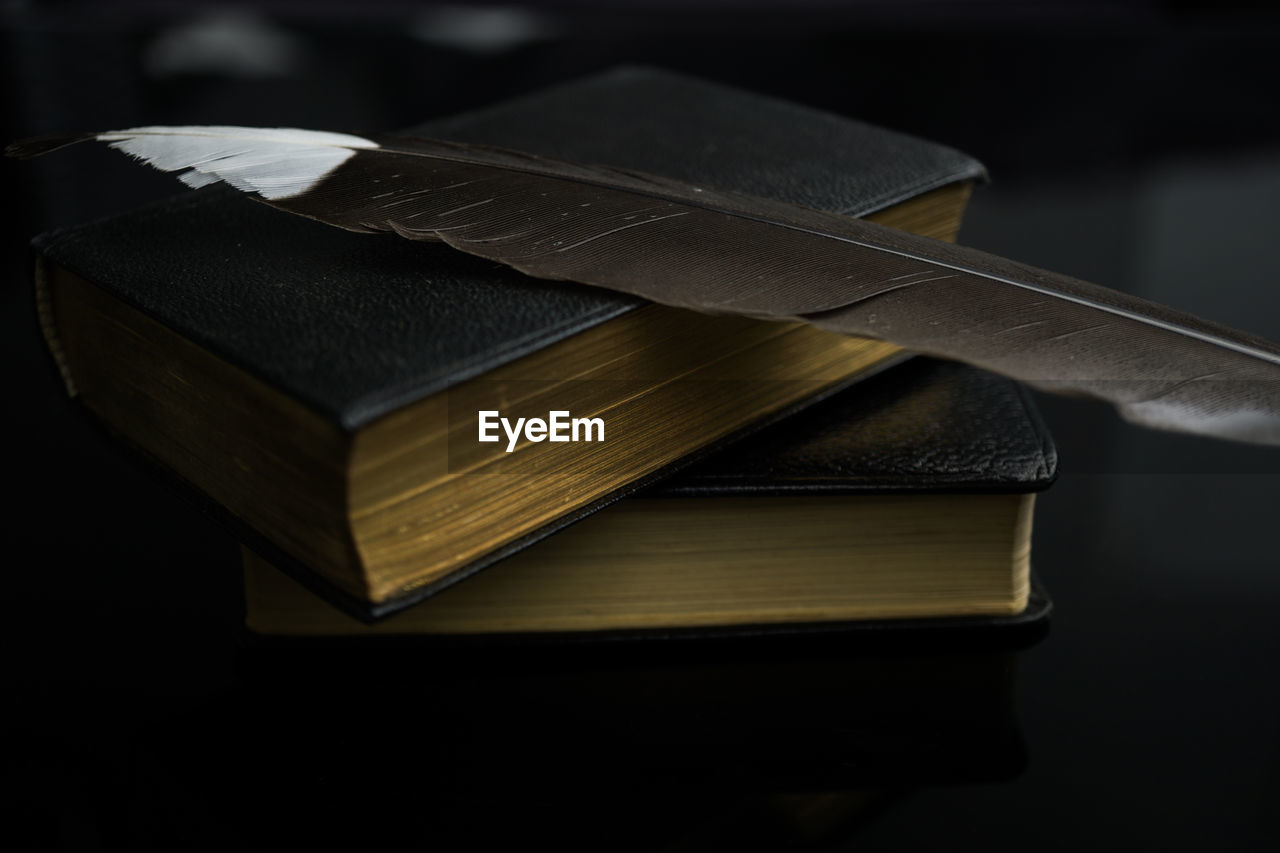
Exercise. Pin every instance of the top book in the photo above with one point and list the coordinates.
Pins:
(351, 402)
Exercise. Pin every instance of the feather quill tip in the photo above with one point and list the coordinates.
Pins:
(25, 149)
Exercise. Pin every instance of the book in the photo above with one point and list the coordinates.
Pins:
(907, 497)
(327, 392)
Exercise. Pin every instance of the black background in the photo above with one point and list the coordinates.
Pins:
(1133, 144)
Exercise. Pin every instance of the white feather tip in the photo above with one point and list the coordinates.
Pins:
(275, 163)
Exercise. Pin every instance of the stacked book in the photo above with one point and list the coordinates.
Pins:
(417, 446)
(433, 445)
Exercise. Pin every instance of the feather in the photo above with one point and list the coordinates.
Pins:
(719, 252)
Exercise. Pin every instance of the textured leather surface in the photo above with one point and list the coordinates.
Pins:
(356, 326)
(923, 426)
(353, 326)
(704, 133)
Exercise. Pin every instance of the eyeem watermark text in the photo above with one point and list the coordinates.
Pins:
(558, 426)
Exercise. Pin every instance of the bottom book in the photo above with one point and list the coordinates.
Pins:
(907, 497)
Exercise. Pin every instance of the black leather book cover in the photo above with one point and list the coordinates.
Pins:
(356, 326)
(923, 426)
